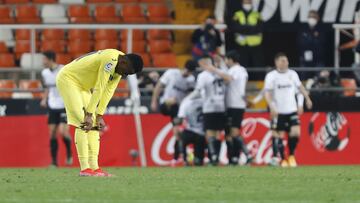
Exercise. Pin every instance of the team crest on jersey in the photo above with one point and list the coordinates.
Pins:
(108, 67)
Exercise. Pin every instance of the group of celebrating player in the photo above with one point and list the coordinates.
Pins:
(216, 102)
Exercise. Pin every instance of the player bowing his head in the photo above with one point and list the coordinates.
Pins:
(86, 86)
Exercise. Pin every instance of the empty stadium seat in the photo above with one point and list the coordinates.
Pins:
(133, 14)
(106, 44)
(79, 34)
(160, 46)
(137, 46)
(350, 85)
(44, 1)
(99, 1)
(62, 58)
(151, 1)
(3, 48)
(16, 1)
(71, 1)
(154, 34)
(122, 89)
(106, 14)
(78, 48)
(27, 14)
(79, 14)
(106, 34)
(54, 14)
(7, 37)
(7, 60)
(126, 1)
(57, 46)
(136, 35)
(182, 59)
(8, 85)
(158, 14)
(166, 60)
(22, 34)
(53, 34)
(27, 62)
(5, 15)
(146, 59)
(23, 46)
(31, 85)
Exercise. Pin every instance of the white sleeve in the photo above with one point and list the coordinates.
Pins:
(166, 77)
(43, 75)
(300, 99)
(182, 108)
(269, 85)
(297, 79)
(201, 82)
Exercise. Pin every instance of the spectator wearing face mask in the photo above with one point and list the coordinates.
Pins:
(246, 27)
(311, 42)
(206, 40)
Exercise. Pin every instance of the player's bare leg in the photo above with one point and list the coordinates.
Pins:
(53, 144)
(293, 141)
(65, 133)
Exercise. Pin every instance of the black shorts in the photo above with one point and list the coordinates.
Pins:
(56, 116)
(214, 121)
(234, 117)
(285, 121)
(171, 111)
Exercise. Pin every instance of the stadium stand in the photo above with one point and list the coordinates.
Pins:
(106, 14)
(6, 87)
(27, 14)
(31, 85)
(5, 15)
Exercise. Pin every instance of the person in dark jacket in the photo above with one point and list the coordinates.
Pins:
(206, 40)
(311, 42)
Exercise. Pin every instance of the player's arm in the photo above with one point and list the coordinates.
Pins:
(305, 93)
(107, 95)
(209, 67)
(43, 102)
(160, 85)
(100, 86)
(44, 99)
(156, 94)
(269, 88)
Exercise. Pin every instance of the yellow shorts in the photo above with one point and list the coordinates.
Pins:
(75, 98)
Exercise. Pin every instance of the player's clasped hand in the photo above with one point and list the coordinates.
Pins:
(100, 123)
(88, 122)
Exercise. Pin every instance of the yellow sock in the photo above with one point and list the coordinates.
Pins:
(94, 147)
(82, 148)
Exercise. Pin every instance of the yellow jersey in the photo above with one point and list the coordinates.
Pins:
(95, 71)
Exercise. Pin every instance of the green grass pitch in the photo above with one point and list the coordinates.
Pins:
(209, 184)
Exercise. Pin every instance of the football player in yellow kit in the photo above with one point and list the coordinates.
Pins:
(86, 86)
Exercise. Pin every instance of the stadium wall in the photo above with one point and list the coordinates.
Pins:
(327, 138)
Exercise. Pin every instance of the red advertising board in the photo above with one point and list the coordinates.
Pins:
(326, 138)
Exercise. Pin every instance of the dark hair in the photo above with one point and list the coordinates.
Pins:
(136, 62)
(233, 55)
(191, 65)
(50, 55)
(278, 55)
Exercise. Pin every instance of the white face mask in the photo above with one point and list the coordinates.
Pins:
(247, 7)
(312, 22)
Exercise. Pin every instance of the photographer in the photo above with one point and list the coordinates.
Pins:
(206, 40)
